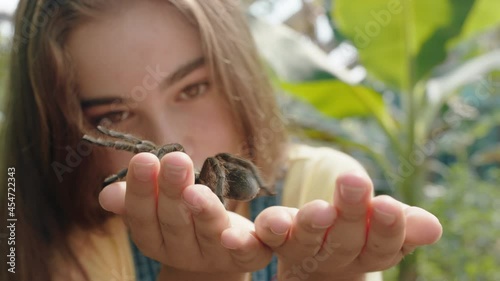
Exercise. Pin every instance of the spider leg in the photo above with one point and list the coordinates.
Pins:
(171, 147)
(111, 179)
(119, 135)
(247, 165)
(213, 173)
(127, 137)
(119, 145)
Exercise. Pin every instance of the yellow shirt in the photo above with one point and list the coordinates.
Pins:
(311, 175)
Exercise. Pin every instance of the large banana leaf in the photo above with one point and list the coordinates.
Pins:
(336, 99)
(400, 42)
(484, 16)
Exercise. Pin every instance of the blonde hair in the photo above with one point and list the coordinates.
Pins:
(43, 120)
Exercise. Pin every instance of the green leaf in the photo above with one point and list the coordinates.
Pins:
(332, 97)
(401, 41)
(483, 16)
(336, 99)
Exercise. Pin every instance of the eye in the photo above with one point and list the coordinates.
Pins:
(193, 91)
(111, 118)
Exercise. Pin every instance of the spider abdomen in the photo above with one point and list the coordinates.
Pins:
(242, 185)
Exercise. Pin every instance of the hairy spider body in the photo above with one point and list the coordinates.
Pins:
(229, 176)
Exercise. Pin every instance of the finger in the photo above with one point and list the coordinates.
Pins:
(191, 217)
(347, 236)
(422, 228)
(273, 224)
(208, 214)
(309, 228)
(112, 198)
(140, 202)
(386, 235)
(176, 173)
(174, 215)
(247, 251)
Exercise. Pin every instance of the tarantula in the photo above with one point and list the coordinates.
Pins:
(228, 176)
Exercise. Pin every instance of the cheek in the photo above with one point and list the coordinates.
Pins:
(114, 160)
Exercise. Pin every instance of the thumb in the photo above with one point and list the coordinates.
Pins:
(112, 198)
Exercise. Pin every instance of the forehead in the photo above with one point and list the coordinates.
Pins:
(111, 53)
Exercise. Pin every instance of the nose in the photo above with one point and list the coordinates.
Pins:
(163, 129)
(157, 125)
(162, 124)
(161, 133)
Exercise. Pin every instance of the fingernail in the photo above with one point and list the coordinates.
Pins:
(318, 226)
(143, 171)
(236, 236)
(279, 229)
(173, 171)
(228, 246)
(352, 194)
(384, 217)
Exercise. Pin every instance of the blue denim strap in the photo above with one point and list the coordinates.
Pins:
(146, 269)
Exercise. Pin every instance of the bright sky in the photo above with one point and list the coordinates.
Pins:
(8, 6)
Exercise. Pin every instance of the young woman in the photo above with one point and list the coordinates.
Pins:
(179, 71)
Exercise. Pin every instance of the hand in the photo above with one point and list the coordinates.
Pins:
(180, 224)
(355, 235)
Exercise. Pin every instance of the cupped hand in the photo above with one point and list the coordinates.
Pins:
(341, 241)
(180, 224)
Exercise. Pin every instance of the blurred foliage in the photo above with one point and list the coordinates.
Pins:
(349, 100)
(468, 207)
(401, 41)
(387, 48)
(430, 83)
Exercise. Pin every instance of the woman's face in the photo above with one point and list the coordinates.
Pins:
(139, 69)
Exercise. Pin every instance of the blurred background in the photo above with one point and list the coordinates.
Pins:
(409, 88)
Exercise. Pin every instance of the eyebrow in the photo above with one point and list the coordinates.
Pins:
(181, 72)
(99, 101)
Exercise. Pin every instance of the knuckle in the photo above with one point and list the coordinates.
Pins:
(353, 217)
(377, 263)
(242, 258)
(383, 256)
(347, 251)
(207, 238)
(308, 241)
